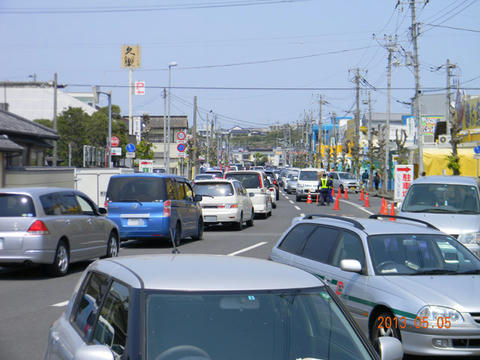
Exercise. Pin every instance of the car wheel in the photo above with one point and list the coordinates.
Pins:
(239, 225)
(269, 213)
(274, 205)
(112, 246)
(341, 189)
(278, 195)
(61, 263)
(298, 198)
(379, 329)
(200, 227)
(250, 222)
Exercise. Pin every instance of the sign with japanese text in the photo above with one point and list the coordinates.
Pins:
(130, 56)
(145, 166)
(139, 87)
(403, 178)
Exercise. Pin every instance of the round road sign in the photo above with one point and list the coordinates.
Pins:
(181, 147)
(115, 141)
(130, 147)
(476, 149)
(181, 135)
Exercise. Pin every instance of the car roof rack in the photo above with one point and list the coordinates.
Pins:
(354, 222)
(376, 216)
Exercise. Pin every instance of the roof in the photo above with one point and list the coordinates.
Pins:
(194, 272)
(451, 179)
(13, 124)
(157, 175)
(7, 145)
(34, 190)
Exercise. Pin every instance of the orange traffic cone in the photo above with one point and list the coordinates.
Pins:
(346, 194)
(317, 198)
(361, 196)
(337, 205)
(392, 211)
(309, 198)
(383, 207)
(333, 192)
(367, 202)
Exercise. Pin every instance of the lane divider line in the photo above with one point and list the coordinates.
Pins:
(248, 248)
(357, 206)
(60, 304)
(296, 207)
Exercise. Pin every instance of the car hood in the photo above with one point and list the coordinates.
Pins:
(449, 223)
(459, 292)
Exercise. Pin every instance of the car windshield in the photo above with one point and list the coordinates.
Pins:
(273, 325)
(16, 205)
(249, 181)
(308, 175)
(213, 189)
(409, 254)
(136, 188)
(346, 176)
(442, 198)
(204, 177)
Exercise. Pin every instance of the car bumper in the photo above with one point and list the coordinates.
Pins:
(212, 216)
(21, 248)
(262, 204)
(154, 227)
(456, 343)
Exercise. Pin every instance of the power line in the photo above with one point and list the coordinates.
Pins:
(453, 15)
(451, 27)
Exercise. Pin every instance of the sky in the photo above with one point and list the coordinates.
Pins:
(253, 63)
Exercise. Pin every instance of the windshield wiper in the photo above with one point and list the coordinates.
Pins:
(131, 200)
(435, 272)
(435, 209)
(467, 212)
(468, 272)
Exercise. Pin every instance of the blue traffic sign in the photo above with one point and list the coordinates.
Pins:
(181, 147)
(476, 149)
(130, 147)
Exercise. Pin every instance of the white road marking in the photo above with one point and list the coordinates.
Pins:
(296, 207)
(291, 202)
(60, 304)
(357, 206)
(302, 214)
(247, 248)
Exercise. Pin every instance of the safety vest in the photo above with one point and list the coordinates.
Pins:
(324, 184)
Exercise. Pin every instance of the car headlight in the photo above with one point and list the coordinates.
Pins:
(437, 315)
(469, 238)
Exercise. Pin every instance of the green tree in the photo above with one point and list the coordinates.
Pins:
(48, 123)
(144, 150)
(72, 128)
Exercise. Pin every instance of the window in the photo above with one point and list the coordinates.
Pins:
(295, 239)
(13, 205)
(112, 325)
(69, 204)
(188, 192)
(171, 191)
(91, 295)
(320, 244)
(248, 180)
(85, 205)
(136, 188)
(349, 247)
(180, 190)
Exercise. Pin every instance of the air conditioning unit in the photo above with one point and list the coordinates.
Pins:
(444, 139)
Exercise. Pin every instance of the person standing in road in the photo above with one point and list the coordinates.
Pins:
(323, 185)
(376, 180)
(330, 188)
(365, 178)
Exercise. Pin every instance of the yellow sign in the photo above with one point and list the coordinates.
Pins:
(130, 56)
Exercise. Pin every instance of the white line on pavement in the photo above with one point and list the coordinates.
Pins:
(296, 207)
(302, 214)
(357, 206)
(291, 202)
(60, 304)
(248, 248)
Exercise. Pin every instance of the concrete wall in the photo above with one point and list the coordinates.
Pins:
(40, 177)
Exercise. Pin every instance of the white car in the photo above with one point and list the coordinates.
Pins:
(225, 202)
(273, 191)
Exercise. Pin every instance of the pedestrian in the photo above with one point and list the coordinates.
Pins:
(365, 178)
(323, 187)
(376, 180)
(330, 188)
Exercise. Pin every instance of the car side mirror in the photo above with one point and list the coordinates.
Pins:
(389, 348)
(94, 352)
(197, 198)
(251, 194)
(351, 265)
(102, 211)
(295, 178)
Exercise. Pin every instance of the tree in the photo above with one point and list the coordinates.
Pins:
(48, 123)
(72, 129)
(144, 150)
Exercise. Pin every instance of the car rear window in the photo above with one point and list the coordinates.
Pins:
(309, 175)
(249, 181)
(213, 189)
(131, 189)
(16, 205)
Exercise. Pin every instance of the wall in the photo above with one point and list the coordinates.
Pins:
(40, 177)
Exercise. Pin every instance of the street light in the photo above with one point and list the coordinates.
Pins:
(170, 66)
(96, 93)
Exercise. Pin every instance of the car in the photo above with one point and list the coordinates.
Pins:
(273, 179)
(225, 202)
(307, 182)
(54, 227)
(255, 181)
(272, 191)
(345, 180)
(291, 183)
(403, 279)
(451, 203)
(217, 174)
(179, 306)
(154, 206)
(203, 177)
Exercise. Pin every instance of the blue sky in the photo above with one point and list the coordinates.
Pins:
(296, 44)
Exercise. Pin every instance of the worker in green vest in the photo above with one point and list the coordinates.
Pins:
(323, 186)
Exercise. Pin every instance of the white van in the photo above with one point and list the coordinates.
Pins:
(308, 179)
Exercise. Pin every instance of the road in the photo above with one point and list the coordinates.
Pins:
(31, 301)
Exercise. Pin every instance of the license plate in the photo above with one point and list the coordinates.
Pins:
(352, 187)
(135, 222)
(210, 219)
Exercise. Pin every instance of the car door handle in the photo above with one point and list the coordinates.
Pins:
(90, 221)
(55, 337)
(67, 221)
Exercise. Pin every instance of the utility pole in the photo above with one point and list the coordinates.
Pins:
(130, 101)
(55, 147)
(319, 136)
(207, 159)
(195, 148)
(416, 67)
(165, 129)
(212, 134)
(370, 142)
(334, 130)
(449, 96)
(356, 135)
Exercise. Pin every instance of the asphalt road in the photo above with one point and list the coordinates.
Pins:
(30, 301)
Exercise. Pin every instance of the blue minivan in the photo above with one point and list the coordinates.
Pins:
(150, 205)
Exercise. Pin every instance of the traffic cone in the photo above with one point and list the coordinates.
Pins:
(383, 207)
(367, 202)
(309, 198)
(346, 194)
(333, 193)
(337, 205)
(361, 196)
(392, 211)
(317, 198)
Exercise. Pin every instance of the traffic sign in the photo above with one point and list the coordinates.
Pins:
(130, 147)
(403, 177)
(116, 151)
(139, 87)
(181, 135)
(181, 147)
(130, 155)
(476, 149)
(115, 141)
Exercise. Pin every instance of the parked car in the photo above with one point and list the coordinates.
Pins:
(345, 180)
(153, 206)
(53, 226)
(291, 183)
(161, 307)
(225, 202)
(403, 279)
(255, 181)
(307, 182)
(451, 203)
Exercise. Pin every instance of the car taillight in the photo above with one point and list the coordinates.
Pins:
(167, 208)
(106, 204)
(38, 228)
(272, 189)
(274, 182)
